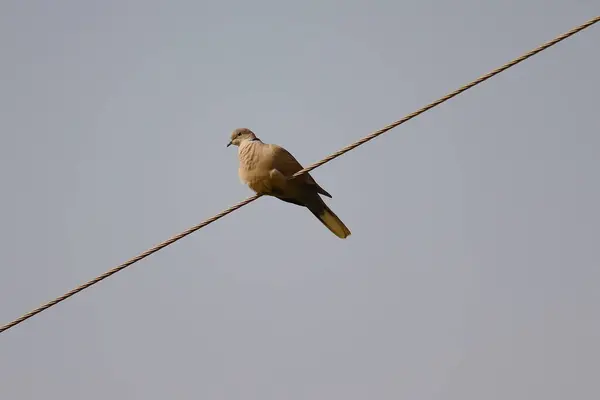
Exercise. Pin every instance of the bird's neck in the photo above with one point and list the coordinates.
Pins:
(248, 144)
(249, 141)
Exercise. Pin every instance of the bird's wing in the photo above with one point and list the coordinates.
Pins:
(287, 164)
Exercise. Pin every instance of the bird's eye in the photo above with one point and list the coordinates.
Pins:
(239, 134)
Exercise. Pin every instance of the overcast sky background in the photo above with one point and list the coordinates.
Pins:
(472, 271)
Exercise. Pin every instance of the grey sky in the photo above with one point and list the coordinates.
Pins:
(472, 271)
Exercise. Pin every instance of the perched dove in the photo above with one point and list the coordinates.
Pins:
(265, 168)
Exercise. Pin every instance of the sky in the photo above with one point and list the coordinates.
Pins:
(472, 269)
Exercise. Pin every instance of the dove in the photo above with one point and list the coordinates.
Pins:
(267, 169)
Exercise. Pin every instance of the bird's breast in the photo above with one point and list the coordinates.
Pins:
(253, 171)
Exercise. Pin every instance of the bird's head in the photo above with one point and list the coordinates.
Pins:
(240, 135)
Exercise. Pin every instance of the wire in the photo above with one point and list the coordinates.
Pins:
(331, 157)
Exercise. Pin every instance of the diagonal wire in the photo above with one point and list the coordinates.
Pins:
(305, 170)
(451, 95)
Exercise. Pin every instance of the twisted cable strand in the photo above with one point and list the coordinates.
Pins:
(450, 95)
(305, 170)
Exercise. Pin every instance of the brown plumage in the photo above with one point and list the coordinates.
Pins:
(265, 168)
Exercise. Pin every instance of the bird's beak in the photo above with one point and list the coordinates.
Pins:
(229, 144)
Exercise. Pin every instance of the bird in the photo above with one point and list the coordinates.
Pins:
(267, 169)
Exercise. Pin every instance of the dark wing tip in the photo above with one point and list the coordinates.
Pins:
(325, 193)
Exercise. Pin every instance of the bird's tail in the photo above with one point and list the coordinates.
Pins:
(330, 220)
